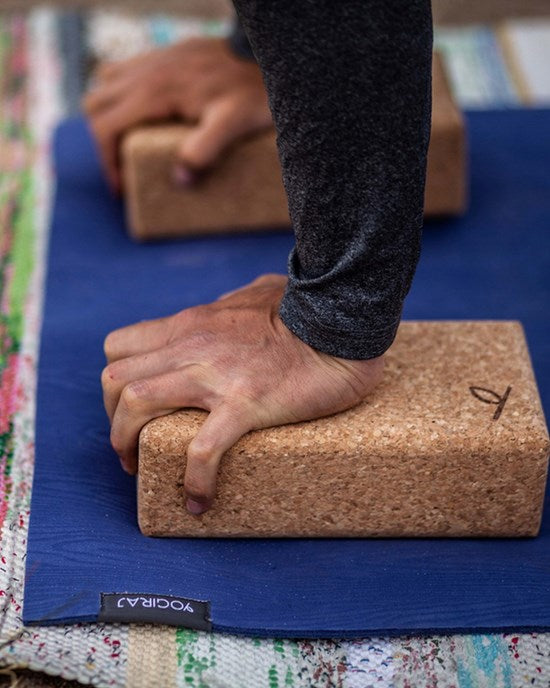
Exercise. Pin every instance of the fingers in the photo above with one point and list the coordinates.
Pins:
(110, 69)
(219, 126)
(220, 431)
(142, 400)
(112, 122)
(118, 374)
(138, 339)
(105, 94)
(115, 80)
(106, 70)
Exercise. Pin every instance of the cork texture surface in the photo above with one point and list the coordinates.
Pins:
(452, 443)
(244, 190)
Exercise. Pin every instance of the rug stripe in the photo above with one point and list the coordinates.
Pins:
(152, 656)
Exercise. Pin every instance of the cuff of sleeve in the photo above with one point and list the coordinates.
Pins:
(357, 345)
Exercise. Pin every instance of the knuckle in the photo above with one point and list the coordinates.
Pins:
(108, 376)
(197, 489)
(135, 393)
(183, 317)
(199, 452)
(202, 339)
(269, 279)
(116, 442)
(186, 320)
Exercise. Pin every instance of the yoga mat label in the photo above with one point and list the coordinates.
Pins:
(127, 607)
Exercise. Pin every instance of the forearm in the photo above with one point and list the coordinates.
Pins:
(350, 92)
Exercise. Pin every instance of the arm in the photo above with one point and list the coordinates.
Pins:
(352, 135)
(349, 87)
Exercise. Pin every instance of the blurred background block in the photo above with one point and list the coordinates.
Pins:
(245, 190)
(447, 170)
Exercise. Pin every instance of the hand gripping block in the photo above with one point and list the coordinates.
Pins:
(452, 443)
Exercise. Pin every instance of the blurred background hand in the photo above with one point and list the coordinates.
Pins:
(199, 80)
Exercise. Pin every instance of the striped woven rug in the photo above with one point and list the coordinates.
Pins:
(45, 57)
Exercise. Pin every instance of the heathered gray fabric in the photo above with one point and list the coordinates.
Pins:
(349, 86)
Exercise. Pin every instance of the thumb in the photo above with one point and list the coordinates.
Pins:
(219, 432)
(217, 129)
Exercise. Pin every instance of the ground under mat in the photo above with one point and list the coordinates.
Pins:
(83, 538)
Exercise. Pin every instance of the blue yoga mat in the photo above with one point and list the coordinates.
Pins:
(84, 540)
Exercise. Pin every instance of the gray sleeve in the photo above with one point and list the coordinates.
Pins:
(349, 86)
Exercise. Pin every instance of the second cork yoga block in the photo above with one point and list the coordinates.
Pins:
(244, 190)
(452, 443)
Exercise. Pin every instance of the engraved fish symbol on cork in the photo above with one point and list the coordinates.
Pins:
(488, 396)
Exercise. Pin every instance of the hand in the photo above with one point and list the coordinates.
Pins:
(199, 80)
(234, 358)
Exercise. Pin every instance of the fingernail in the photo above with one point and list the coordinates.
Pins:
(182, 176)
(195, 507)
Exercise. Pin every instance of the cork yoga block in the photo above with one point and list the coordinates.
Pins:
(245, 191)
(446, 173)
(452, 443)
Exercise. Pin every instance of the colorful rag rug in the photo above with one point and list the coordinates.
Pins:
(44, 56)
